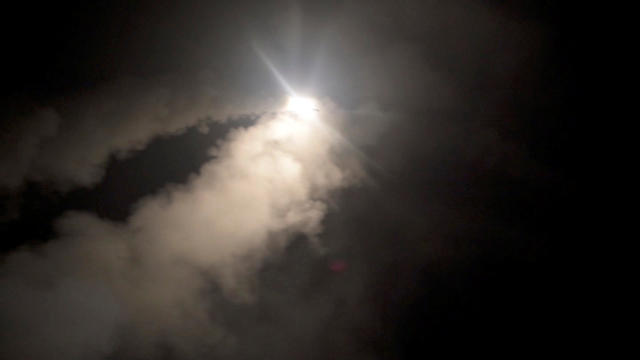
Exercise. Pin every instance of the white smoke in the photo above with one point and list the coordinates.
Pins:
(143, 280)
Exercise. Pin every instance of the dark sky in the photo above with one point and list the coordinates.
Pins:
(461, 118)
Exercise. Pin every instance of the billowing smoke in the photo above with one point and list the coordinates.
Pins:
(101, 286)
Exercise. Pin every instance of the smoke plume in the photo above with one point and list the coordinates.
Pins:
(138, 284)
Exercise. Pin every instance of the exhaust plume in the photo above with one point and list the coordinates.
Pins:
(108, 286)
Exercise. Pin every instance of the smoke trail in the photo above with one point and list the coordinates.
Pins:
(102, 286)
(68, 144)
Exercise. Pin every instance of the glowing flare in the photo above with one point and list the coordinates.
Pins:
(302, 106)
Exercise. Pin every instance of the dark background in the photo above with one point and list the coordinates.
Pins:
(457, 248)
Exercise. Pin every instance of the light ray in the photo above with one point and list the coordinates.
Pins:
(283, 82)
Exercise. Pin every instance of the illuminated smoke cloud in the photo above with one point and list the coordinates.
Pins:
(106, 285)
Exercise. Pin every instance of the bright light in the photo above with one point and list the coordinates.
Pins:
(302, 106)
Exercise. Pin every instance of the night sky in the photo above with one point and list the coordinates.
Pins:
(157, 202)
